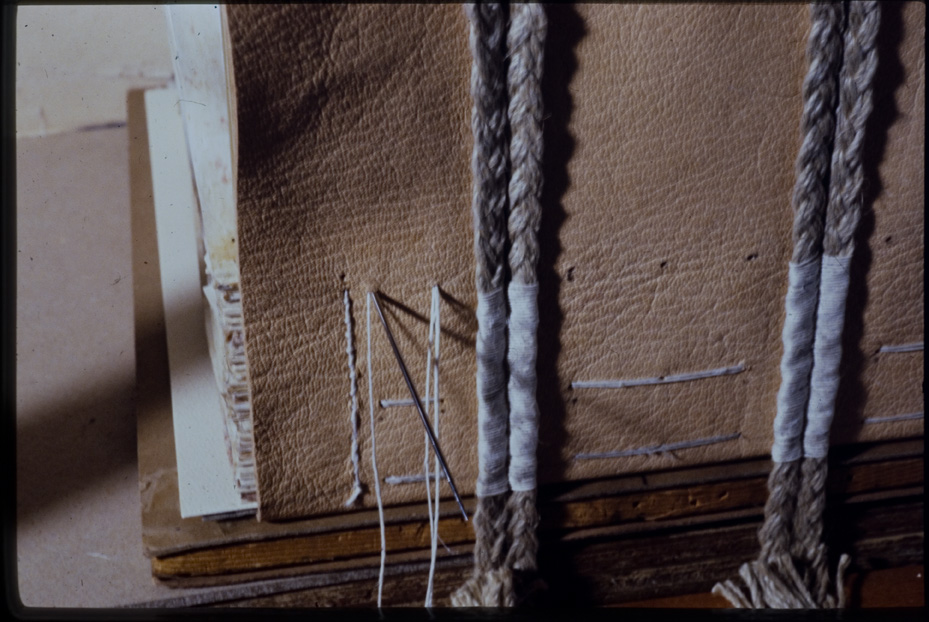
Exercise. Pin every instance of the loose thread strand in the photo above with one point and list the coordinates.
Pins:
(432, 373)
(353, 404)
(377, 480)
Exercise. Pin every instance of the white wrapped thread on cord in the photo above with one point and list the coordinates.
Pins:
(827, 349)
(491, 393)
(521, 358)
(797, 360)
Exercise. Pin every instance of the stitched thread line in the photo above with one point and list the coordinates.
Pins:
(353, 404)
(426, 405)
(657, 449)
(396, 480)
(399, 403)
(906, 417)
(906, 347)
(437, 472)
(637, 382)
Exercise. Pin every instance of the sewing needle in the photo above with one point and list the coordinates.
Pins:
(419, 406)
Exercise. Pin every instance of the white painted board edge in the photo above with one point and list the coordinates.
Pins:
(206, 482)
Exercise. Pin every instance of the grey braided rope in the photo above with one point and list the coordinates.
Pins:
(505, 525)
(842, 217)
(807, 548)
(817, 125)
(855, 103)
(775, 534)
(526, 47)
(489, 156)
(524, 521)
(824, 57)
(494, 512)
(489, 200)
(773, 580)
(487, 586)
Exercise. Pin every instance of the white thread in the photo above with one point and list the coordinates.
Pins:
(907, 347)
(796, 361)
(657, 449)
(396, 480)
(426, 401)
(353, 416)
(491, 393)
(637, 382)
(398, 403)
(426, 404)
(906, 417)
(377, 481)
(436, 411)
(827, 355)
(434, 330)
(445, 546)
(521, 358)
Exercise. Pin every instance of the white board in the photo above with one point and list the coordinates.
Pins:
(205, 475)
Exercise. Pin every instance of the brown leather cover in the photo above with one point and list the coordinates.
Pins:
(670, 143)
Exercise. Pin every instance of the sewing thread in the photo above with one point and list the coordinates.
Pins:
(432, 373)
(353, 404)
(377, 481)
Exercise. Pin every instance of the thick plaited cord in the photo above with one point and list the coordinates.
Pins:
(489, 199)
(842, 217)
(810, 582)
(486, 587)
(773, 580)
(855, 104)
(489, 156)
(817, 127)
(525, 47)
(505, 525)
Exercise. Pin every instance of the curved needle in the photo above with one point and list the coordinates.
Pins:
(419, 406)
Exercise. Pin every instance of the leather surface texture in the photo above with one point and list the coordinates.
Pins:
(670, 138)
